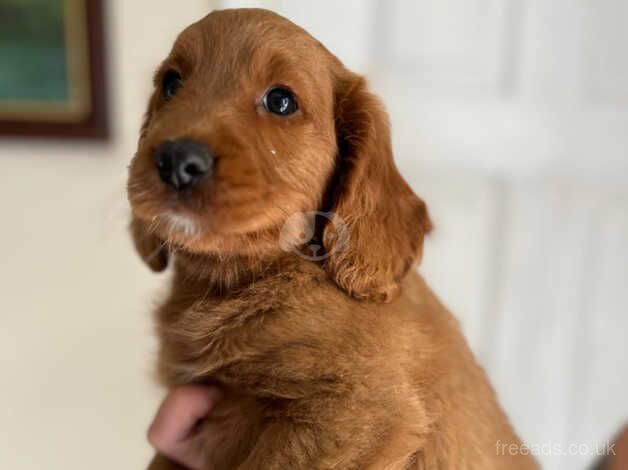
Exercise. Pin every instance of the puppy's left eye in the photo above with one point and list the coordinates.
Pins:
(280, 101)
(171, 84)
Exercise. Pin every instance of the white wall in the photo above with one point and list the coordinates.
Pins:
(509, 118)
(75, 332)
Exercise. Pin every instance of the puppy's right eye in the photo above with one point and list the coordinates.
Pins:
(171, 84)
(280, 101)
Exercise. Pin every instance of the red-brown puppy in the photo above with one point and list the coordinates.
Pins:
(332, 351)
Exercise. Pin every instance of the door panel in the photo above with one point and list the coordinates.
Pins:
(510, 118)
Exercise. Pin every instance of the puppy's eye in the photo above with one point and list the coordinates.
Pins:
(171, 84)
(280, 101)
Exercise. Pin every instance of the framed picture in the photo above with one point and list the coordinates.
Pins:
(52, 74)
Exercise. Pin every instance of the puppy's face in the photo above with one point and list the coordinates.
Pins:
(253, 121)
(239, 134)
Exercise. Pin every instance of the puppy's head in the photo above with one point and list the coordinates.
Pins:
(252, 121)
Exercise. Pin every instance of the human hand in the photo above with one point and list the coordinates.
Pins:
(174, 427)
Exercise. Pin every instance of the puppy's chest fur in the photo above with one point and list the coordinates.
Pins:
(267, 337)
(289, 348)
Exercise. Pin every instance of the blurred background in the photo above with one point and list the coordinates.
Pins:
(510, 118)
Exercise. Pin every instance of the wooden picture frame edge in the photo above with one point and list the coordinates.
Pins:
(96, 125)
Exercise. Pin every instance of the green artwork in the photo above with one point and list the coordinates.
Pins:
(33, 59)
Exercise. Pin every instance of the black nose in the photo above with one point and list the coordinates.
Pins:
(182, 163)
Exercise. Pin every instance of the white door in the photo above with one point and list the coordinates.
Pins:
(510, 118)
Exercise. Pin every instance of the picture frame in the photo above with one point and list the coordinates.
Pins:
(53, 82)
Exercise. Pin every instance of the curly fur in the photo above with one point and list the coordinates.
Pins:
(346, 363)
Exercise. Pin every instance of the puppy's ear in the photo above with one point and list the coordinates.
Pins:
(385, 220)
(148, 115)
(150, 248)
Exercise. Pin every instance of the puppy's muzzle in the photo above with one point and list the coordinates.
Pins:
(182, 163)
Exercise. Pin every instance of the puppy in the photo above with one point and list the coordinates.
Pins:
(264, 175)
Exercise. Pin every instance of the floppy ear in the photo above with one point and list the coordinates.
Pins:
(151, 249)
(385, 220)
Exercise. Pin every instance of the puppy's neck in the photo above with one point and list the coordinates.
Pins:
(224, 275)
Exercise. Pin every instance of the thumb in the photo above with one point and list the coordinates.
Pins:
(173, 428)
